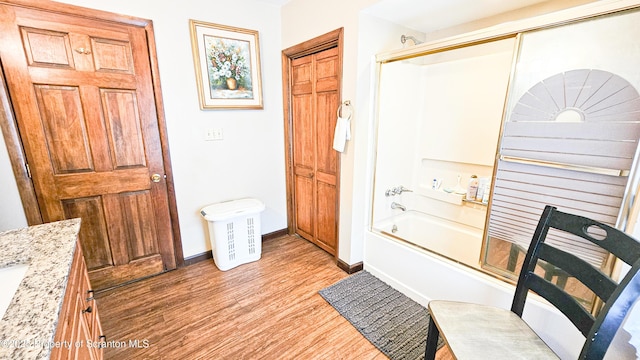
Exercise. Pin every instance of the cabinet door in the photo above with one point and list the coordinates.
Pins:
(83, 351)
(85, 108)
(67, 328)
(90, 314)
(96, 332)
(79, 322)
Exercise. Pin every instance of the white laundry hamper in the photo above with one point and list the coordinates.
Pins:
(234, 229)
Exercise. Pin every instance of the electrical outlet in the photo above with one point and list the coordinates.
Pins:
(213, 134)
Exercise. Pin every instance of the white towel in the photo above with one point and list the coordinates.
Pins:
(342, 133)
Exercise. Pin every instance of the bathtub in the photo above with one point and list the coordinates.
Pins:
(453, 240)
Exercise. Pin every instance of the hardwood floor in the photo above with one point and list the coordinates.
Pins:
(269, 309)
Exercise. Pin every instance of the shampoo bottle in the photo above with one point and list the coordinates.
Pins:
(472, 189)
(485, 196)
(482, 184)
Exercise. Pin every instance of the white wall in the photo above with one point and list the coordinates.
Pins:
(399, 121)
(249, 162)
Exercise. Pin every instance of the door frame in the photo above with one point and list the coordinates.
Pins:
(14, 143)
(312, 46)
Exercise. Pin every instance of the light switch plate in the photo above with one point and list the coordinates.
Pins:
(213, 134)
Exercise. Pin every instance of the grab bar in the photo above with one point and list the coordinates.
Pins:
(560, 165)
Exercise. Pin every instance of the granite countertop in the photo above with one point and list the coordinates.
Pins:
(29, 324)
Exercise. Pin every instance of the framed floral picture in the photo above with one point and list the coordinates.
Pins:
(227, 64)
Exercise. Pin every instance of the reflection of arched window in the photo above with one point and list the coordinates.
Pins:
(580, 118)
(592, 95)
(595, 95)
(568, 142)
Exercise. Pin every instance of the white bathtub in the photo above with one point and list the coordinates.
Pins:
(456, 241)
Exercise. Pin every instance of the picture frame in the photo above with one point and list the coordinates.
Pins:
(227, 66)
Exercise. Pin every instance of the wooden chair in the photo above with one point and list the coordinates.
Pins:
(483, 332)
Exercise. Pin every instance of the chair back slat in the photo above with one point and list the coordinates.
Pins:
(530, 261)
(568, 305)
(618, 298)
(593, 278)
(616, 242)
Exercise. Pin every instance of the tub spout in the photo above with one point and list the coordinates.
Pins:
(395, 205)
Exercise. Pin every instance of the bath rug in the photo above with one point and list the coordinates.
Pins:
(390, 320)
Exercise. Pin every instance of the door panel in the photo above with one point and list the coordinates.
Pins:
(123, 125)
(304, 129)
(63, 122)
(304, 149)
(112, 55)
(47, 48)
(326, 122)
(326, 215)
(304, 207)
(327, 162)
(315, 94)
(137, 207)
(327, 71)
(96, 247)
(86, 112)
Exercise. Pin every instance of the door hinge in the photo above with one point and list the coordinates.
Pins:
(28, 170)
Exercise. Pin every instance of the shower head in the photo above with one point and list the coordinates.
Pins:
(404, 38)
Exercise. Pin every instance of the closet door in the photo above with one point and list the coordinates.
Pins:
(315, 89)
(84, 102)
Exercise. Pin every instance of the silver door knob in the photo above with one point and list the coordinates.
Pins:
(156, 177)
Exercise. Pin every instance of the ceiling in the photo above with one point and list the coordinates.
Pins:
(275, 2)
(431, 15)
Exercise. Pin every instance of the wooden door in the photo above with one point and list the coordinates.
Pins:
(84, 102)
(315, 100)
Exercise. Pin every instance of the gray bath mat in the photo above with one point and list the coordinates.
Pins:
(391, 321)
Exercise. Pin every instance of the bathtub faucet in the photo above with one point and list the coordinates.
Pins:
(396, 190)
(395, 205)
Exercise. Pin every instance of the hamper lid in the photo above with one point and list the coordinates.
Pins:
(232, 208)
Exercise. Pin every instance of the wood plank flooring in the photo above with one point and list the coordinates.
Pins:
(269, 309)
